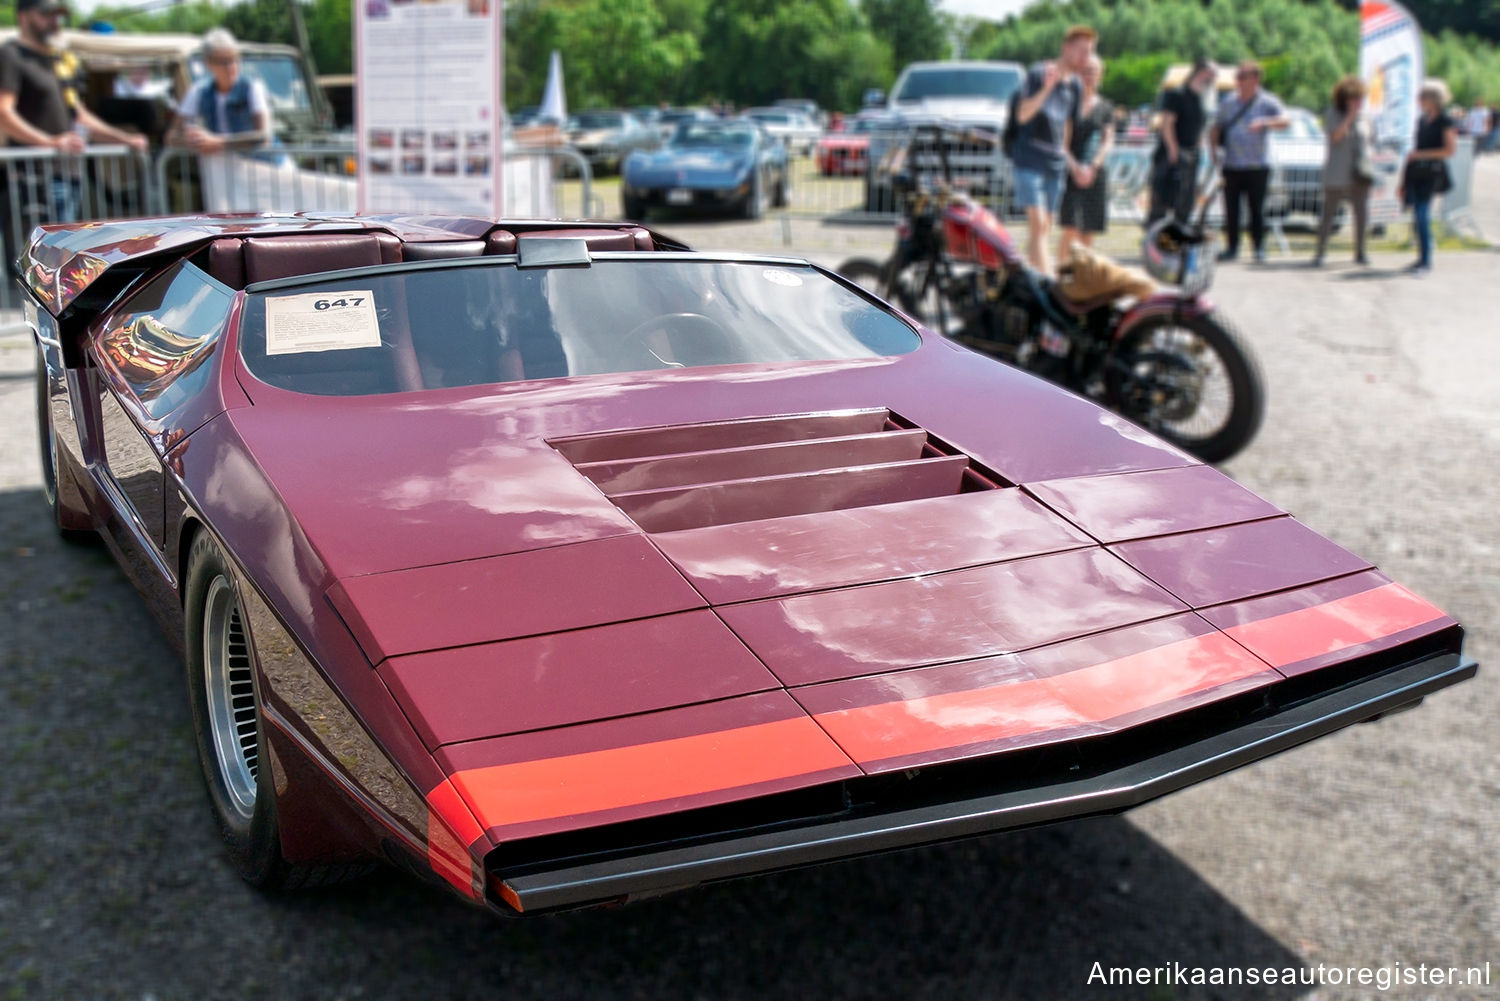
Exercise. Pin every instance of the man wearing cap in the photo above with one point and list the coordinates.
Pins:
(40, 108)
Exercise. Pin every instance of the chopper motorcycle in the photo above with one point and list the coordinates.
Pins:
(1164, 359)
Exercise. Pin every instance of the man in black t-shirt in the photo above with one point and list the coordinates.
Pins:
(40, 108)
(1174, 167)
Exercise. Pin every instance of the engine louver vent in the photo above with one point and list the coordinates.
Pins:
(695, 475)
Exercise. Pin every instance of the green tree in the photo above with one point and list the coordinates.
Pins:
(756, 51)
(912, 29)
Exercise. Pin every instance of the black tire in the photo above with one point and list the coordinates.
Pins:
(634, 208)
(754, 205)
(1162, 388)
(782, 196)
(865, 273)
(877, 278)
(246, 815)
(47, 452)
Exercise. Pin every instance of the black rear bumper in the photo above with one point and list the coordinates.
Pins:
(1053, 793)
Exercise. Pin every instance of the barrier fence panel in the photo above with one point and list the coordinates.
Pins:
(324, 178)
(281, 179)
(39, 186)
(1458, 202)
(550, 182)
(846, 183)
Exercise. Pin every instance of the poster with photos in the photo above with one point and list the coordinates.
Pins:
(428, 105)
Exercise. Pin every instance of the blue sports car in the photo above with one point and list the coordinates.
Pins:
(713, 166)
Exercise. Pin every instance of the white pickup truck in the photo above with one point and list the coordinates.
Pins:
(973, 93)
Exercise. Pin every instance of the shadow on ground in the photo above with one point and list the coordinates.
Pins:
(112, 883)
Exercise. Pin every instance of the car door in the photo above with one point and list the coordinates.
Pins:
(152, 368)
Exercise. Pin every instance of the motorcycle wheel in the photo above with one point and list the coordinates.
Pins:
(867, 274)
(1191, 380)
(905, 291)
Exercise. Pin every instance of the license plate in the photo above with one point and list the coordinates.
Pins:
(679, 196)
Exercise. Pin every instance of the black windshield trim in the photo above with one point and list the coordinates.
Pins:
(493, 260)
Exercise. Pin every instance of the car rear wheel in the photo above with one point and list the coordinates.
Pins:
(227, 723)
(634, 208)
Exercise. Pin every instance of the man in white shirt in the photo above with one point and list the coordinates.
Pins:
(226, 109)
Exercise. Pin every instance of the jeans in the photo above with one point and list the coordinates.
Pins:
(1174, 187)
(1039, 188)
(1252, 183)
(1421, 216)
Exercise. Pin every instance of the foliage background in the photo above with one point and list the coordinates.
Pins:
(624, 52)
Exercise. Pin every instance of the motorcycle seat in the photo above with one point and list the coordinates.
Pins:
(1083, 306)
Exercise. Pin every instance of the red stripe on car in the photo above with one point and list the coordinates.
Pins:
(524, 792)
(451, 829)
(1089, 694)
(1335, 625)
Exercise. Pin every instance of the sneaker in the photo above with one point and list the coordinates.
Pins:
(1260, 255)
(1228, 255)
(1316, 262)
(1362, 260)
(1418, 270)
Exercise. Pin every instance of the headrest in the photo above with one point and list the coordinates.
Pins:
(271, 257)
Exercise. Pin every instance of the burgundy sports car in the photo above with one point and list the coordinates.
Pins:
(563, 566)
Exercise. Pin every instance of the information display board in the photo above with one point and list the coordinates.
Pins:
(428, 105)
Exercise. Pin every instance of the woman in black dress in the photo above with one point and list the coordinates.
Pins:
(1425, 175)
(1085, 203)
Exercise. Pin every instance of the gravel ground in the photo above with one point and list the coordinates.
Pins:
(1372, 847)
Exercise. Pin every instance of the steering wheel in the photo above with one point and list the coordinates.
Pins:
(692, 339)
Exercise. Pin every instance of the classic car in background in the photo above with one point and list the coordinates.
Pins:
(670, 118)
(558, 612)
(606, 138)
(719, 165)
(847, 150)
(798, 132)
(808, 107)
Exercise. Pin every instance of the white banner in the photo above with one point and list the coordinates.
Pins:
(428, 105)
(1390, 62)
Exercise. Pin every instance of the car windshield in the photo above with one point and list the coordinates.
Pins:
(713, 134)
(773, 117)
(597, 120)
(996, 83)
(282, 78)
(409, 329)
(688, 115)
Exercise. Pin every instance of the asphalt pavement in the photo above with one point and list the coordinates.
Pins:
(1373, 847)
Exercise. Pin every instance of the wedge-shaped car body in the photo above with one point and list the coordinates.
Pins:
(564, 566)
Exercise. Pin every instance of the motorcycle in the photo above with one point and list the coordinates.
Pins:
(1167, 360)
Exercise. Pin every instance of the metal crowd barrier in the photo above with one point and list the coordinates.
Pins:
(1457, 204)
(324, 178)
(1294, 195)
(39, 186)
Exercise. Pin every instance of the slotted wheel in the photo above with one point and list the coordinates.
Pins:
(229, 687)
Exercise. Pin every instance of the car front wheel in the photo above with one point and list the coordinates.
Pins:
(227, 723)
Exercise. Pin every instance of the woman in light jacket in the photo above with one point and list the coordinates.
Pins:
(1347, 174)
(1425, 175)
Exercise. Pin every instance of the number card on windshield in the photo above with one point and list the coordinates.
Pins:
(321, 321)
